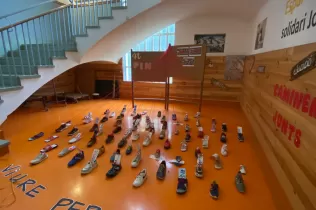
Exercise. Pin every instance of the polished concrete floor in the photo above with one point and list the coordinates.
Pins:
(68, 188)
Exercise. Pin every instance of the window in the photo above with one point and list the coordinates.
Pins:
(157, 42)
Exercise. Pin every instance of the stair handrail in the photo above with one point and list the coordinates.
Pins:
(34, 17)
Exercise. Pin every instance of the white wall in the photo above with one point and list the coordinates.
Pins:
(238, 32)
(278, 20)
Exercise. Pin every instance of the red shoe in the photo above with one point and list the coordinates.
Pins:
(201, 134)
(197, 152)
(49, 147)
(167, 144)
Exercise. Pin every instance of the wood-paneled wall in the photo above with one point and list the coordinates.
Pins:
(289, 141)
(64, 83)
(189, 90)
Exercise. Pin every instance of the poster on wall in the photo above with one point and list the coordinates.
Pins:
(182, 51)
(195, 51)
(234, 69)
(261, 31)
(188, 61)
(215, 43)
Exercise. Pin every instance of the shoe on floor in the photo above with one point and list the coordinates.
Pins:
(101, 150)
(184, 146)
(66, 150)
(88, 118)
(100, 129)
(197, 152)
(163, 119)
(75, 139)
(242, 169)
(112, 158)
(76, 159)
(92, 141)
(176, 132)
(95, 128)
(137, 158)
(112, 114)
(240, 134)
(114, 170)
(147, 140)
(89, 167)
(205, 141)
(186, 117)
(73, 131)
(217, 163)
(157, 154)
(162, 134)
(63, 126)
(224, 127)
(174, 117)
(240, 185)
(37, 136)
(167, 144)
(224, 150)
(129, 150)
(182, 186)
(135, 136)
(159, 114)
(49, 147)
(214, 191)
(223, 138)
(104, 119)
(52, 138)
(161, 172)
(187, 128)
(141, 177)
(213, 129)
(39, 158)
(109, 139)
(197, 115)
(164, 125)
(199, 171)
(117, 129)
(187, 137)
(122, 143)
(198, 124)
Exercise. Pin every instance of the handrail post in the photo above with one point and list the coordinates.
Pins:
(30, 42)
(26, 49)
(38, 48)
(18, 43)
(12, 55)
(5, 52)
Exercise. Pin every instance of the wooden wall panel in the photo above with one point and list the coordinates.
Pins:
(294, 167)
(190, 90)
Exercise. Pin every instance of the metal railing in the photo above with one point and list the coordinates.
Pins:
(34, 42)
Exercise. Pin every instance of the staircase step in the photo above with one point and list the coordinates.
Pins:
(12, 88)
(92, 27)
(18, 69)
(105, 17)
(9, 82)
(119, 7)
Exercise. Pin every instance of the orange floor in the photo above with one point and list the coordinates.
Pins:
(118, 193)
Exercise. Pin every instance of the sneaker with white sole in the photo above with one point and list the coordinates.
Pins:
(88, 118)
(205, 141)
(213, 129)
(224, 150)
(242, 169)
(112, 114)
(75, 139)
(141, 177)
(186, 117)
(89, 167)
(162, 134)
(135, 136)
(147, 140)
(66, 150)
(39, 158)
(217, 163)
(184, 146)
(199, 170)
(137, 159)
(197, 115)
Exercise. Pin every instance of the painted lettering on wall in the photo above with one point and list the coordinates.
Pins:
(298, 25)
(69, 204)
(28, 186)
(301, 101)
(291, 5)
(288, 129)
(142, 65)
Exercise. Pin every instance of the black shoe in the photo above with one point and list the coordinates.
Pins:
(161, 173)
(122, 142)
(104, 119)
(187, 137)
(73, 131)
(224, 127)
(241, 137)
(223, 138)
(92, 141)
(129, 150)
(113, 171)
(117, 129)
(63, 126)
(112, 158)
(109, 138)
(182, 186)
(94, 128)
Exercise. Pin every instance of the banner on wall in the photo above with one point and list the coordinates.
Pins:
(234, 68)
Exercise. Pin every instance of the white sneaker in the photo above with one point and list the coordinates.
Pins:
(141, 177)
(184, 146)
(198, 114)
(88, 118)
(213, 129)
(100, 130)
(135, 136)
(217, 163)
(41, 157)
(224, 150)
(137, 159)
(147, 140)
(242, 169)
(205, 141)
(198, 124)
(200, 159)
(186, 117)
(89, 167)
(112, 114)
(75, 139)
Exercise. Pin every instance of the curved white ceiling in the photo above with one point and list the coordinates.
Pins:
(116, 43)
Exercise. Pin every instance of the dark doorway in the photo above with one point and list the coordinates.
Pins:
(105, 88)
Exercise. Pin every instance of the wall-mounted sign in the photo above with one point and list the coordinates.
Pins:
(188, 61)
(182, 51)
(304, 66)
(261, 69)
